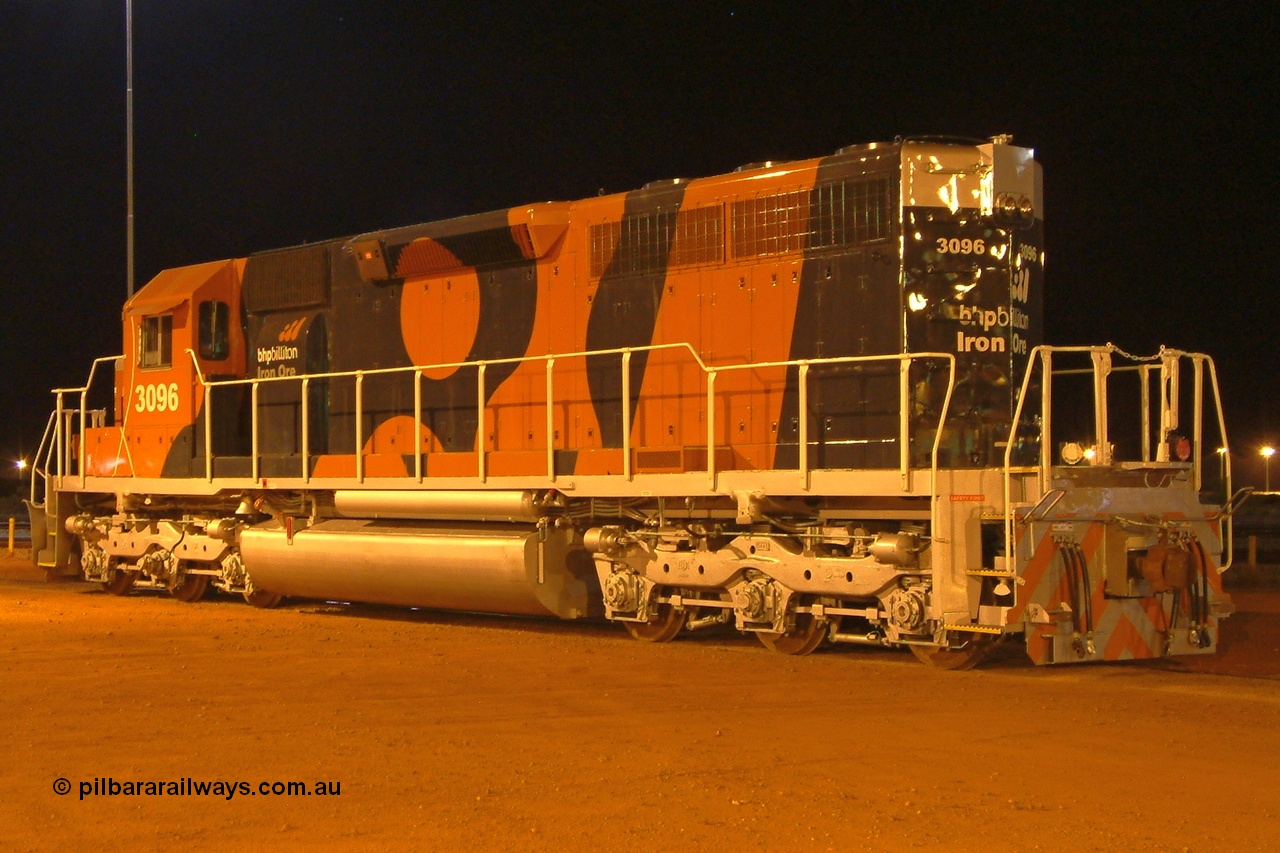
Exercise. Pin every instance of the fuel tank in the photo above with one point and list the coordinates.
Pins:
(516, 569)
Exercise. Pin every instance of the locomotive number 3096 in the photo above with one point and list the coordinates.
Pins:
(956, 246)
(156, 398)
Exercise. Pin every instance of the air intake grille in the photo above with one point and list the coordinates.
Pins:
(832, 216)
(288, 278)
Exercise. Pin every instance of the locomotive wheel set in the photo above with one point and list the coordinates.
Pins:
(807, 400)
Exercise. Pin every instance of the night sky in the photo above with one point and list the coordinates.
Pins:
(261, 125)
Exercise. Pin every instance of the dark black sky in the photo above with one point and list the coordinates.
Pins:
(266, 124)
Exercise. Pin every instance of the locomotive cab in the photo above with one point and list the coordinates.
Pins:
(181, 327)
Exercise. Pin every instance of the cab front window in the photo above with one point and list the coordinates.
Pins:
(215, 344)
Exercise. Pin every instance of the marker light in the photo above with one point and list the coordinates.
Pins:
(1072, 453)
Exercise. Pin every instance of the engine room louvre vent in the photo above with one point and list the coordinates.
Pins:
(830, 216)
(286, 279)
(471, 249)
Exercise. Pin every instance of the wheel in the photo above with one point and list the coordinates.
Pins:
(966, 657)
(661, 628)
(806, 636)
(262, 598)
(121, 582)
(190, 588)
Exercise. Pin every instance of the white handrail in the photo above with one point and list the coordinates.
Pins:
(626, 353)
(36, 469)
(803, 367)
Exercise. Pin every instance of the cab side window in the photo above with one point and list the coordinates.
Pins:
(215, 342)
(155, 349)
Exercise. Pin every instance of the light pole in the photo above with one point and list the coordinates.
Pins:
(128, 109)
(1267, 452)
(1222, 466)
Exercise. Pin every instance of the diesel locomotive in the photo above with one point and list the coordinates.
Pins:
(806, 400)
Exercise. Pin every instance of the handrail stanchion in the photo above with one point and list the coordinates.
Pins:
(38, 469)
(208, 411)
(551, 423)
(711, 426)
(1229, 538)
(626, 415)
(1046, 417)
(1101, 416)
(417, 425)
(359, 426)
(306, 429)
(904, 420)
(1171, 367)
(80, 451)
(1168, 405)
(1040, 354)
(481, 471)
(1144, 402)
(68, 418)
(255, 464)
(208, 431)
(1197, 366)
(935, 500)
(60, 438)
(802, 434)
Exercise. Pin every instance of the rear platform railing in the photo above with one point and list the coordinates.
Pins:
(1157, 437)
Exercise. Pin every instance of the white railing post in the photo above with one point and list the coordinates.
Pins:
(253, 405)
(1046, 417)
(417, 425)
(1101, 418)
(59, 438)
(711, 426)
(1170, 394)
(551, 423)
(904, 417)
(306, 429)
(481, 471)
(626, 414)
(1227, 536)
(359, 426)
(1144, 401)
(80, 454)
(802, 433)
(208, 432)
(1197, 435)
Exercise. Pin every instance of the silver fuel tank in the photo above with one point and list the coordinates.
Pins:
(485, 568)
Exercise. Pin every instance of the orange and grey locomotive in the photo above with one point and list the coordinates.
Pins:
(809, 400)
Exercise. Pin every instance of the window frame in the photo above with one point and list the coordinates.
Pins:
(155, 342)
(213, 323)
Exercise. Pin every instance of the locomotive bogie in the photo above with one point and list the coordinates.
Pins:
(184, 555)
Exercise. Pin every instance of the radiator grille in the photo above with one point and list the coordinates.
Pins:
(286, 279)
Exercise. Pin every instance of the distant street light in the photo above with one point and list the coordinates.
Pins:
(1222, 466)
(1267, 452)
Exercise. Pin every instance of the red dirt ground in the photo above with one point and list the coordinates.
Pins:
(467, 732)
